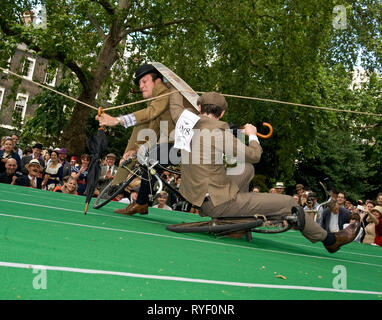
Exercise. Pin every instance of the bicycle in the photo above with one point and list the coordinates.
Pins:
(256, 223)
(145, 163)
(136, 167)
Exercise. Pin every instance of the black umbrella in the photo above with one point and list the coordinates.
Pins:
(96, 145)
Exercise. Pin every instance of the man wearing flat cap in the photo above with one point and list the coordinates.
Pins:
(32, 179)
(36, 154)
(207, 184)
(108, 171)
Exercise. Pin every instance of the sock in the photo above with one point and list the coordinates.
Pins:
(330, 239)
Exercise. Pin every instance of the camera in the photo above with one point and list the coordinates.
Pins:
(361, 208)
(311, 197)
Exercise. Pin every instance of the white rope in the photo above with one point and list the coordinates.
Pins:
(166, 94)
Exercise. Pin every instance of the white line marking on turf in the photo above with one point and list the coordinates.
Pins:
(162, 223)
(342, 251)
(76, 211)
(181, 279)
(187, 239)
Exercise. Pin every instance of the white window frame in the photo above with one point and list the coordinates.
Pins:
(53, 82)
(2, 90)
(33, 63)
(9, 67)
(25, 106)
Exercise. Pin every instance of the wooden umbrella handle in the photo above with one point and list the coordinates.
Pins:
(266, 136)
(100, 111)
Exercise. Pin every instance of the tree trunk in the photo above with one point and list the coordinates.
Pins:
(74, 137)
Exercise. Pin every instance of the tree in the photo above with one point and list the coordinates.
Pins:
(88, 37)
(283, 50)
(49, 118)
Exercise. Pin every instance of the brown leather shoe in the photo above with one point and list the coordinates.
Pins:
(344, 236)
(134, 208)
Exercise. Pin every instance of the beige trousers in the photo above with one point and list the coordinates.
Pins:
(250, 203)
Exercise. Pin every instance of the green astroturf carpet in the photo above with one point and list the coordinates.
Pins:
(50, 250)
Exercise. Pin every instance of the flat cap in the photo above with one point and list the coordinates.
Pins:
(111, 155)
(279, 185)
(213, 98)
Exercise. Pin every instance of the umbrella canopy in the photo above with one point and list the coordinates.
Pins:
(96, 145)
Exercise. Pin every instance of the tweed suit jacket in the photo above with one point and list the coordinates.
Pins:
(203, 170)
(149, 118)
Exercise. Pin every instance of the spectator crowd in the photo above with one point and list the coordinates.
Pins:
(53, 170)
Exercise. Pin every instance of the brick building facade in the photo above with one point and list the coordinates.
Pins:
(31, 67)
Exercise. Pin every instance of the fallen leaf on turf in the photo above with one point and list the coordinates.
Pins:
(280, 276)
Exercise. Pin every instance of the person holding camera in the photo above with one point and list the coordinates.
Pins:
(312, 206)
(373, 231)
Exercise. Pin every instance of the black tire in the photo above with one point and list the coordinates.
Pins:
(206, 226)
(110, 192)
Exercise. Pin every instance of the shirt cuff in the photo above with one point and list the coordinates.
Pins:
(253, 137)
(129, 120)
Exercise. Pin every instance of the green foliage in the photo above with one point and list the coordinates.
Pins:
(49, 119)
(283, 50)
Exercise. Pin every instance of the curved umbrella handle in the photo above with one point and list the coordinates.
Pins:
(267, 136)
(100, 111)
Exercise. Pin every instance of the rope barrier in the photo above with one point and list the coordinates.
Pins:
(298, 104)
(201, 92)
(48, 88)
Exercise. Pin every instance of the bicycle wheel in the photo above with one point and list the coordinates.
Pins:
(111, 191)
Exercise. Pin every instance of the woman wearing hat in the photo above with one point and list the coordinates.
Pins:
(374, 228)
(7, 152)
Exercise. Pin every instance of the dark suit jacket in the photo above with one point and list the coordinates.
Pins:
(13, 155)
(343, 217)
(66, 169)
(25, 182)
(5, 178)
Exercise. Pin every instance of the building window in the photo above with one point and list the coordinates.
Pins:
(8, 68)
(28, 68)
(50, 78)
(2, 90)
(21, 104)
